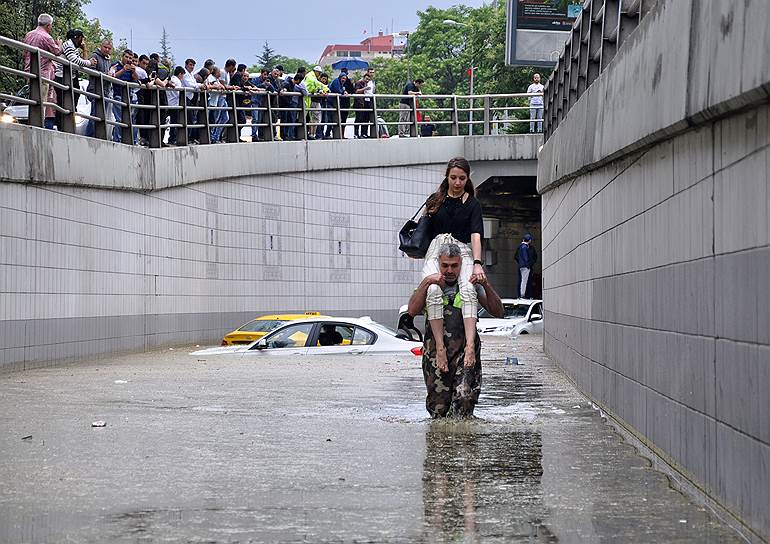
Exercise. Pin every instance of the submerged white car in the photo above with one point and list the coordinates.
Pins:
(16, 112)
(520, 316)
(324, 336)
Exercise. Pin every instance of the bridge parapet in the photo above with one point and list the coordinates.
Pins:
(45, 156)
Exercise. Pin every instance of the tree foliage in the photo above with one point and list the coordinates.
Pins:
(17, 17)
(290, 64)
(266, 59)
(165, 47)
(442, 55)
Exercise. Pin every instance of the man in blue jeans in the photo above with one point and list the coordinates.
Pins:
(124, 70)
(525, 258)
(535, 104)
(102, 56)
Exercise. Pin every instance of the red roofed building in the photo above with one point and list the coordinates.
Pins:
(369, 49)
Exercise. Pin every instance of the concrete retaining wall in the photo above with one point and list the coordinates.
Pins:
(108, 247)
(657, 246)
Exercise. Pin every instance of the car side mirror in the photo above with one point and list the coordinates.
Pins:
(535, 317)
(261, 344)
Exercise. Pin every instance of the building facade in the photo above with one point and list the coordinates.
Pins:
(382, 45)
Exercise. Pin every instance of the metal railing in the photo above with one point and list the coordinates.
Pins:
(135, 113)
(597, 34)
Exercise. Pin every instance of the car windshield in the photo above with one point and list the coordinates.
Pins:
(382, 328)
(510, 311)
(262, 325)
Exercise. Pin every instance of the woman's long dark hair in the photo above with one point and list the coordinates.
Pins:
(435, 200)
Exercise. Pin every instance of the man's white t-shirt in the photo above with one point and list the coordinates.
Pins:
(172, 97)
(535, 101)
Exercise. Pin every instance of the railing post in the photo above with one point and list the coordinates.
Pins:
(127, 132)
(205, 138)
(413, 128)
(68, 99)
(374, 116)
(487, 113)
(303, 112)
(339, 133)
(36, 112)
(233, 133)
(156, 133)
(100, 110)
(455, 117)
(269, 115)
(182, 133)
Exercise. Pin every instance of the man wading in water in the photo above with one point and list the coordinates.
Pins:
(453, 389)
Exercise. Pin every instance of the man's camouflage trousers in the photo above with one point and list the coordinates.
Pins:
(456, 392)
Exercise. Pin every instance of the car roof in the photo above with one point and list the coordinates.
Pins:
(287, 317)
(363, 321)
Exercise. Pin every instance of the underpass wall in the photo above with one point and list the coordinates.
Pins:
(110, 248)
(656, 247)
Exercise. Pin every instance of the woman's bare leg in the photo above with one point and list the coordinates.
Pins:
(469, 323)
(437, 328)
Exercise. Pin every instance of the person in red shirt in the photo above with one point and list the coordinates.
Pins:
(42, 39)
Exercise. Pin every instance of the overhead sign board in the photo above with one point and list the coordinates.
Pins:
(538, 29)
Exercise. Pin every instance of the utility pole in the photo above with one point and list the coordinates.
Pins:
(452, 22)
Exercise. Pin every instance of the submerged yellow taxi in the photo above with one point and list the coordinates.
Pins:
(259, 327)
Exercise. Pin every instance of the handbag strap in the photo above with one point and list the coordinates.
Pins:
(419, 210)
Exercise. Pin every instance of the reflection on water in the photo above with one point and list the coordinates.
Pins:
(482, 482)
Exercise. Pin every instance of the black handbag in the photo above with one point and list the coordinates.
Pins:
(414, 237)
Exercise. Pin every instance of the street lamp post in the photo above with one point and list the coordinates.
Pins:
(405, 34)
(452, 22)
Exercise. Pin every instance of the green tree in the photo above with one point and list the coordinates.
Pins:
(165, 47)
(119, 47)
(442, 55)
(290, 64)
(267, 58)
(17, 17)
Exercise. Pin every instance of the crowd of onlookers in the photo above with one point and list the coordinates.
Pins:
(272, 92)
(179, 84)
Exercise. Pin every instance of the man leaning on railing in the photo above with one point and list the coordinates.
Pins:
(102, 64)
(73, 46)
(42, 39)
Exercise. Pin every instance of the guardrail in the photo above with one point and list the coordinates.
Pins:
(596, 36)
(140, 113)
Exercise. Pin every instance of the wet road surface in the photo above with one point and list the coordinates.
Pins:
(233, 449)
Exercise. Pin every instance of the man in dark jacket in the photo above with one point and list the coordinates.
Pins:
(525, 258)
(240, 79)
(289, 116)
(102, 57)
(258, 100)
(345, 102)
(338, 87)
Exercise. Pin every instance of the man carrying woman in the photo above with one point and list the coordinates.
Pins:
(455, 218)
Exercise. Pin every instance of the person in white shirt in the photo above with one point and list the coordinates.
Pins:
(535, 104)
(369, 91)
(222, 116)
(189, 81)
(213, 82)
(172, 98)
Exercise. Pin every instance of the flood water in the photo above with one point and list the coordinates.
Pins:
(233, 449)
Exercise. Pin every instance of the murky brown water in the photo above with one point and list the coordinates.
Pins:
(320, 450)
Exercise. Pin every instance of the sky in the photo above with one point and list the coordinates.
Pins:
(238, 29)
